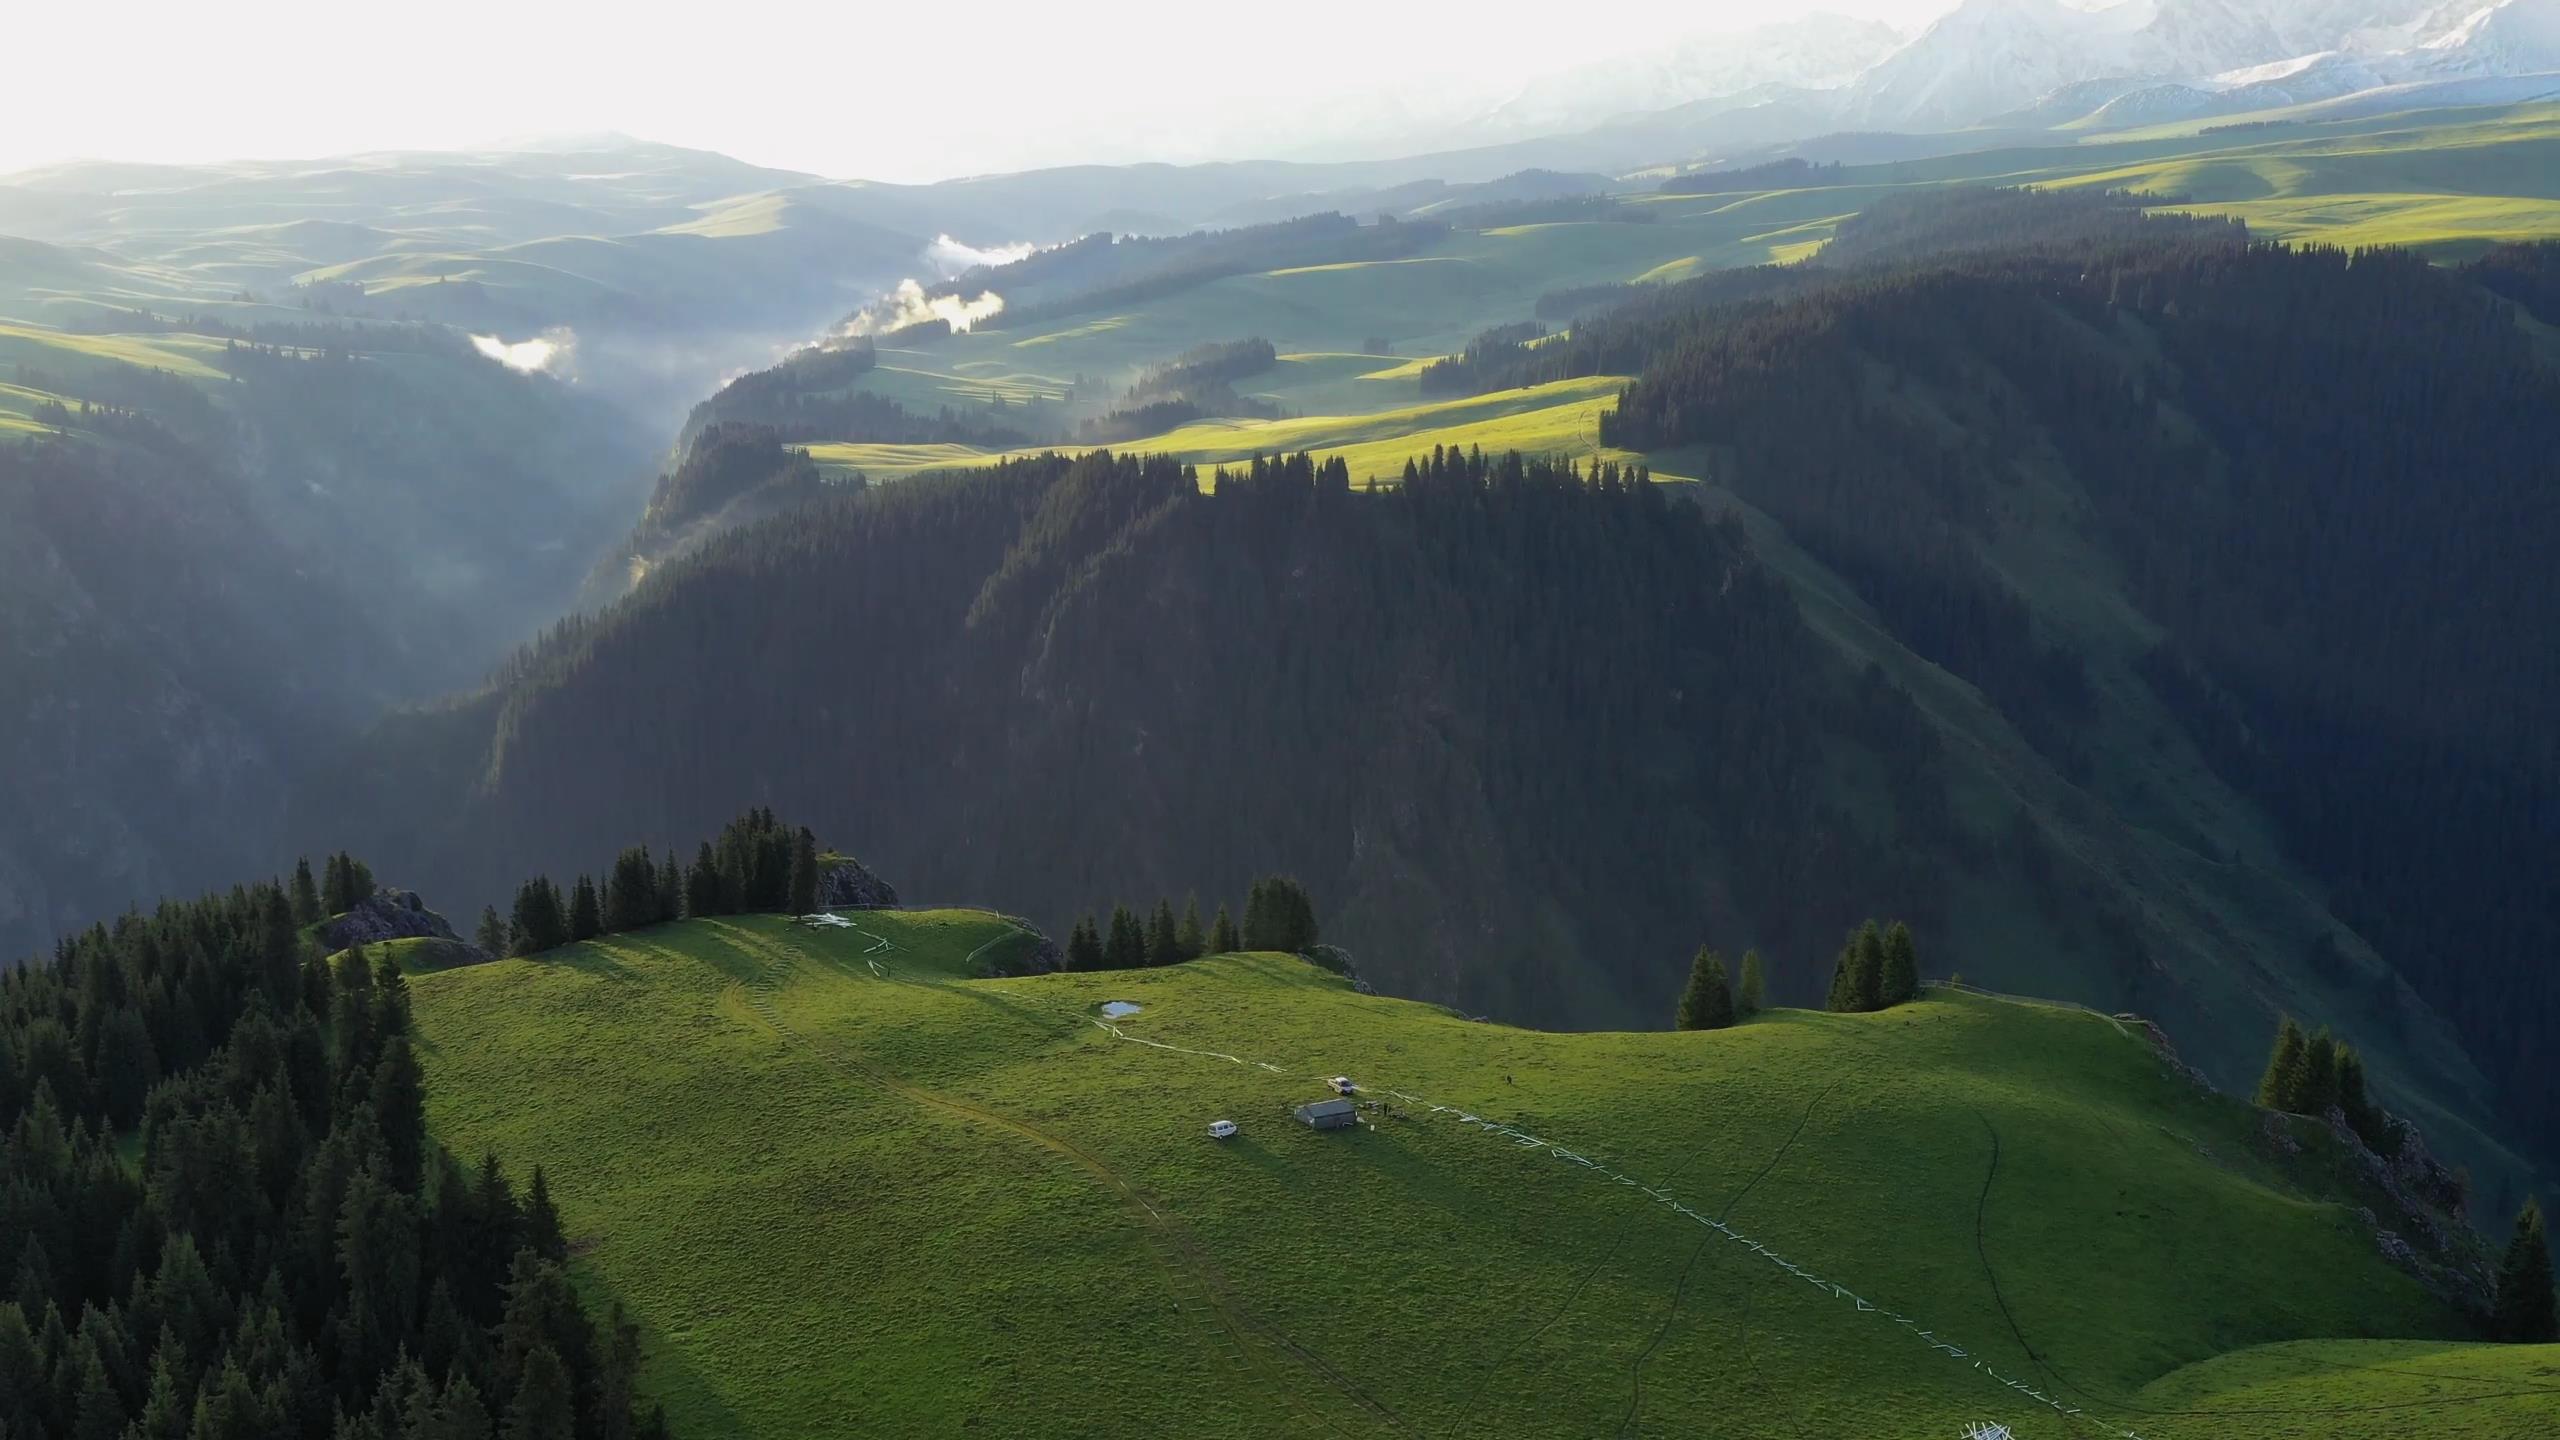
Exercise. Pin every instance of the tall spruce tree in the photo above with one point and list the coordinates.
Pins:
(2354, 1101)
(1901, 965)
(804, 872)
(1164, 936)
(631, 892)
(1844, 993)
(538, 924)
(1223, 939)
(2319, 1075)
(492, 934)
(1191, 939)
(586, 917)
(670, 889)
(1755, 984)
(1126, 949)
(306, 894)
(1866, 969)
(1084, 946)
(1257, 916)
(1707, 1003)
(2280, 1088)
(702, 893)
(2526, 1312)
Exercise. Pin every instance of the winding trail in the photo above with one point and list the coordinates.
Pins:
(1635, 1367)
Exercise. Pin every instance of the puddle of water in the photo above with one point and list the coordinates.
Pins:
(1114, 1009)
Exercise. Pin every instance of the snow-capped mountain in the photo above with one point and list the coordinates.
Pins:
(2144, 61)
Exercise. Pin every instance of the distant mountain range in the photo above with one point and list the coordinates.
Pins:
(1997, 65)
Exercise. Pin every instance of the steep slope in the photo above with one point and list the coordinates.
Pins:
(2189, 479)
(1506, 855)
(864, 1194)
(226, 552)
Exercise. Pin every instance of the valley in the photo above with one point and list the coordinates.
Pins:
(1864, 702)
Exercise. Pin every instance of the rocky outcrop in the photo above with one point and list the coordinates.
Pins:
(1041, 957)
(845, 883)
(386, 914)
(1338, 960)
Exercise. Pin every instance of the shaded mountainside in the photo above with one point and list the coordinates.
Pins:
(2205, 523)
(210, 574)
(1511, 727)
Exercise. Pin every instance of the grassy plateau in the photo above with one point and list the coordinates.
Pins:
(846, 1189)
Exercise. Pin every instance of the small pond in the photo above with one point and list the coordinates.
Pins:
(1114, 1009)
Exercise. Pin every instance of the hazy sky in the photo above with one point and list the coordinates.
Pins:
(904, 92)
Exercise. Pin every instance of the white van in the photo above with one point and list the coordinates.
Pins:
(1222, 1129)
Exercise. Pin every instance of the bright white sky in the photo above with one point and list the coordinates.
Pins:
(895, 92)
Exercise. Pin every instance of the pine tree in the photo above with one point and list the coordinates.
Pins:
(804, 872)
(2280, 1088)
(1866, 969)
(1164, 936)
(540, 924)
(306, 894)
(1223, 939)
(2319, 1075)
(1279, 915)
(702, 884)
(346, 884)
(542, 1232)
(631, 892)
(492, 934)
(2354, 1102)
(586, 920)
(1755, 984)
(1844, 991)
(1190, 939)
(1708, 1002)
(1901, 966)
(400, 1112)
(2525, 1313)
(1257, 916)
(544, 1408)
(1126, 949)
(1084, 946)
(670, 889)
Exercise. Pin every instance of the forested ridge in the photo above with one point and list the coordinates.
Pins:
(1510, 723)
(226, 1218)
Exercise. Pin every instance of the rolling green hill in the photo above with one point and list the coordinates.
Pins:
(846, 1189)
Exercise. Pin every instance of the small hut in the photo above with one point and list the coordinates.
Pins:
(1329, 1114)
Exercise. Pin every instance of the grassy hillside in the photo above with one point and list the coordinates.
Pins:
(848, 1191)
(1561, 417)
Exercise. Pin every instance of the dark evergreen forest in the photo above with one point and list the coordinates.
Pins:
(226, 1220)
(1510, 723)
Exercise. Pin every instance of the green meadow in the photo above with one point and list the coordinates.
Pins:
(1562, 417)
(846, 1189)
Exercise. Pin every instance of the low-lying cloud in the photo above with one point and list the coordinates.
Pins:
(544, 353)
(909, 305)
(951, 257)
